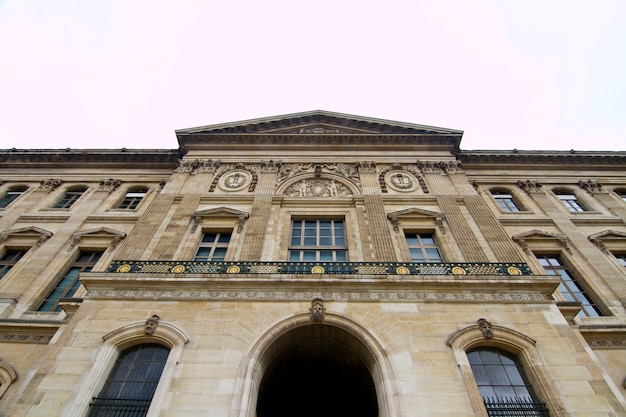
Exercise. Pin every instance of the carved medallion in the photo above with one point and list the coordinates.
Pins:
(401, 181)
(235, 180)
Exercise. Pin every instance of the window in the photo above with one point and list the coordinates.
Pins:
(423, 247)
(132, 199)
(8, 260)
(213, 247)
(621, 194)
(569, 286)
(505, 201)
(570, 201)
(129, 389)
(69, 283)
(69, 198)
(11, 195)
(621, 258)
(503, 384)
(318, 240)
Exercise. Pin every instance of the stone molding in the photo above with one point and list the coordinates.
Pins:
(392, 296)
(226, 170)
(49, 185)
(197, 166)
(411, 178)
(35, 236)
(529, 186)
(592, 187)
(440, 167)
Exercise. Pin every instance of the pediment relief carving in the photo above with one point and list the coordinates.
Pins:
(31, 236)
(317, 187)
(538, 237)
(289, 171)
(221, 212)
(416, 213)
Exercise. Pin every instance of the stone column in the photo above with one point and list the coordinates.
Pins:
(135, 246)
(608, 273)
(374, 213)
(255, 231)
(436, 175)
(197, 183)
(490, 228)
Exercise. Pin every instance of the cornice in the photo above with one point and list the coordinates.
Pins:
(547, 159)
(302, 287)
(99, 158)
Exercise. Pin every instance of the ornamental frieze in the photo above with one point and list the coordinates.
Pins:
(326, 295)
(317, 188)
(197, 166)
(49, 185)
(440, 167)
(288, 171)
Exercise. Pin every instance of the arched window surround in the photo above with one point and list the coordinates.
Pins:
(515, 198)
(166, 334)
(511, 341)
(251, 370)
(7, 377)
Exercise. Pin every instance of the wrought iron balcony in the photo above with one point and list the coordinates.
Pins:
(319, 268)
(118, 407)
(515, 408)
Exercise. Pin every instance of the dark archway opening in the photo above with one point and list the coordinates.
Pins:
(314, 378)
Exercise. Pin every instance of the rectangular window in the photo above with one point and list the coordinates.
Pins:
(11, 196)
(569, 286)
(8, 261)
(213, 246)
(318, 241)
(69, 199)
(571, 202)
(423, 247)
(505, 201)
(69, 283)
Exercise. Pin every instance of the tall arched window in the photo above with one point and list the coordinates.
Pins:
(129, 389)
(503, 384)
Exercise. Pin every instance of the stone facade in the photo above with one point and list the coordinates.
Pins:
(394, 328)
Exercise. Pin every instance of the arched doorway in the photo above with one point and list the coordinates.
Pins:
(317, 370)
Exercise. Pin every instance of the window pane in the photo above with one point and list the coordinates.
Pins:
(213, 247)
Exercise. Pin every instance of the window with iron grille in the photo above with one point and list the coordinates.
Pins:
(423, 247)
(503, 384)
(129, 389)
(570, 201)
(69, 283)
(569, 287)
(11, 195)
(318, 241)
(505, 201)
(69, 198)
(132, 199)
(213, 246)
(8, 261)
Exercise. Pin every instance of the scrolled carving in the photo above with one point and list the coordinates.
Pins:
(529, 186)
(108, 185)
(49, 185)
(592, 187)
(197, 166)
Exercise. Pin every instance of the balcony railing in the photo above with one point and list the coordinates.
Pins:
(515, 408)
(118, 407)
(319, 268)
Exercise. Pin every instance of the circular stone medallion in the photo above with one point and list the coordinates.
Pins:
(235, 180)
(401, 181)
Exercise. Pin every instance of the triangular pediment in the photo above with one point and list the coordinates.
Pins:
(414, 212)
(318, 122)
(30, 231)
(221, 212)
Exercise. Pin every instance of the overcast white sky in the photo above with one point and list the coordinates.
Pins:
(526, 74)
